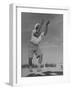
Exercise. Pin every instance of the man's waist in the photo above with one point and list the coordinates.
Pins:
(36, 44)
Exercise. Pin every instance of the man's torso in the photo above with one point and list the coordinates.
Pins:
(36, 37)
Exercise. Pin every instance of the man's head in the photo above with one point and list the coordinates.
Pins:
(37, 27)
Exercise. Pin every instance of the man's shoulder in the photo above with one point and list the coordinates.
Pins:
(33, 31)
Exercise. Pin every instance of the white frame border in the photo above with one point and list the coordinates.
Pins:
(15, 78)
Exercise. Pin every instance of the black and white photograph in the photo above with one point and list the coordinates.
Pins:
(41, 44)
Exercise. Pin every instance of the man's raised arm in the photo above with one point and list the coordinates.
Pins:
(46, 28)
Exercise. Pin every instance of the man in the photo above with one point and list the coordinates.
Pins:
(36, 37)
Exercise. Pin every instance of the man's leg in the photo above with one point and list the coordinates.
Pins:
(30, 56)
(32, 51)
(40, 58)
(30, 63)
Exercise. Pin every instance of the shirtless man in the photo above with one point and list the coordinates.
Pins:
(36, 37)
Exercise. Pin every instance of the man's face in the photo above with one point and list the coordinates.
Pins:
(38, 28)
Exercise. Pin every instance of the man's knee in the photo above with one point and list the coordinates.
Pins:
(40, 58)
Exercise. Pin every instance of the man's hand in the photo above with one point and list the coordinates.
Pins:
(48, 22)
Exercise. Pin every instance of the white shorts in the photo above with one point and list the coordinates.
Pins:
(34, 48)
